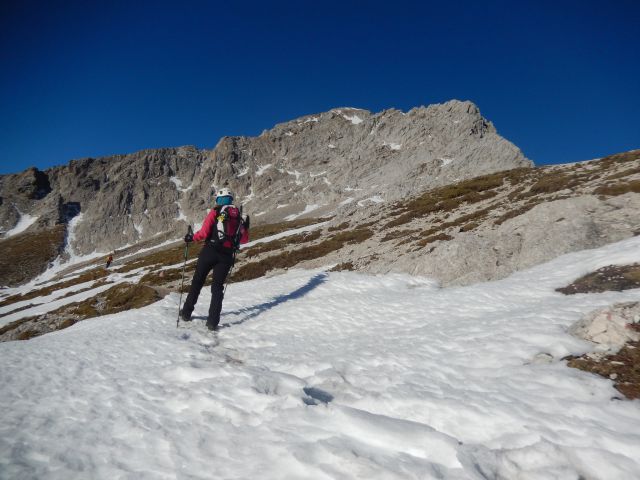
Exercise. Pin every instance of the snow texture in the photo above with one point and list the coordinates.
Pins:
(328, 375)
(25, 222)
(262, 169)
(307, 209)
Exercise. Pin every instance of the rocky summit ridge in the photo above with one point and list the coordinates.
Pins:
(329, 163)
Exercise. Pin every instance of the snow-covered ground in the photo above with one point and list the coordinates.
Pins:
(327, 375)
(24, 222)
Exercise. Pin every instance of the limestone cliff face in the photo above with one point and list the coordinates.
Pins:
(331, 162)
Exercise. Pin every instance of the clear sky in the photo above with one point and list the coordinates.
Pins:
(560, 79)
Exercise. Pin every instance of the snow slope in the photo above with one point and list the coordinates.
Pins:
(24, 222)
(327, 375)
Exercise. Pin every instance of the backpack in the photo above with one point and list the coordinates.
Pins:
(225, 233)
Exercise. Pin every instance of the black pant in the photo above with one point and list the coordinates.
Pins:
(209, 259)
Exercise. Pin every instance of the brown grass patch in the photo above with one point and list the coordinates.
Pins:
(94, 274)
(450, 197)
(282, 243)
(24, 256)
(261, 231)
(121, 297)
(342, 226)
(516, 212)
(611, 278)
(344, 266)
(619, 188)
(624, 174)
(623, 368)
(442, 237)
(291, 258)
(165, 257)
(394, 234)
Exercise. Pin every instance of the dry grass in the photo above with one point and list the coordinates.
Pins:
(282, 243)
(261, 231)
(291, 258)
(624, 173)
(442, 237)
(449, 198)
(613, 190)
(119, 298)
(611, 278)
(342, 226)
(516, 212)
(94, 274)
(26, 255)
(162, 258)
(344, 266)
(394, 234)
(623, 368)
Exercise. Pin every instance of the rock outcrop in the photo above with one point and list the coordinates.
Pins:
(610, 327)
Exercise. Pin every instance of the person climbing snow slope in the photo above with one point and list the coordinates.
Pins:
(223, 231)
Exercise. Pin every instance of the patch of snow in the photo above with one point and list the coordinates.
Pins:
(346, 202)
(392, 146)
(313, 175)
(297, 175)
(349, 189)
(374, 199)
(262, 169)
(53, 303)
(71, 236)
(307, 209)
(138, 227)
(24, 222)
(334, 375)
(259, 214)
(178, 183)
(282, 206)
(249, 197)
(181, 215)
(446, 161)
(288, 233)
(326, 180)
(289, 134)
(311, 119)
(331, 145)
(355, 119)
(244, 171)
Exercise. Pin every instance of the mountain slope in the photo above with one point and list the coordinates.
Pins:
(325, 375)
(314, 163)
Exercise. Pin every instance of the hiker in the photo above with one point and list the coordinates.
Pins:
(223, 231)
(109, 260)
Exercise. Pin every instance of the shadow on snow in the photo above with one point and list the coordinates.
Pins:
(254, 311)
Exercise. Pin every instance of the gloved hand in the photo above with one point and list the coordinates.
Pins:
(188, 238)
(246, 222)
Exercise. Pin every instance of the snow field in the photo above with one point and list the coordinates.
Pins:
(328, 375)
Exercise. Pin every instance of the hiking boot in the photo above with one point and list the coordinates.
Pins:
(212, 326)
(184, 317)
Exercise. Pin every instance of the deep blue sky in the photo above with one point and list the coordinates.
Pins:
(560, 79)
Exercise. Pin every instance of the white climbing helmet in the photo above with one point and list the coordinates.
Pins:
(224, 192)
(224, 197)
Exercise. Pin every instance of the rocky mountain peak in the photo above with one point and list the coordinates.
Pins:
(326, 163)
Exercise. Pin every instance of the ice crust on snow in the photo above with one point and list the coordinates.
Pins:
(328, 375)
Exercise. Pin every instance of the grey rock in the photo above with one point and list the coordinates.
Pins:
(332, 162)
(607, 326)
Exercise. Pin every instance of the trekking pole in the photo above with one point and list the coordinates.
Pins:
(186, 254)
